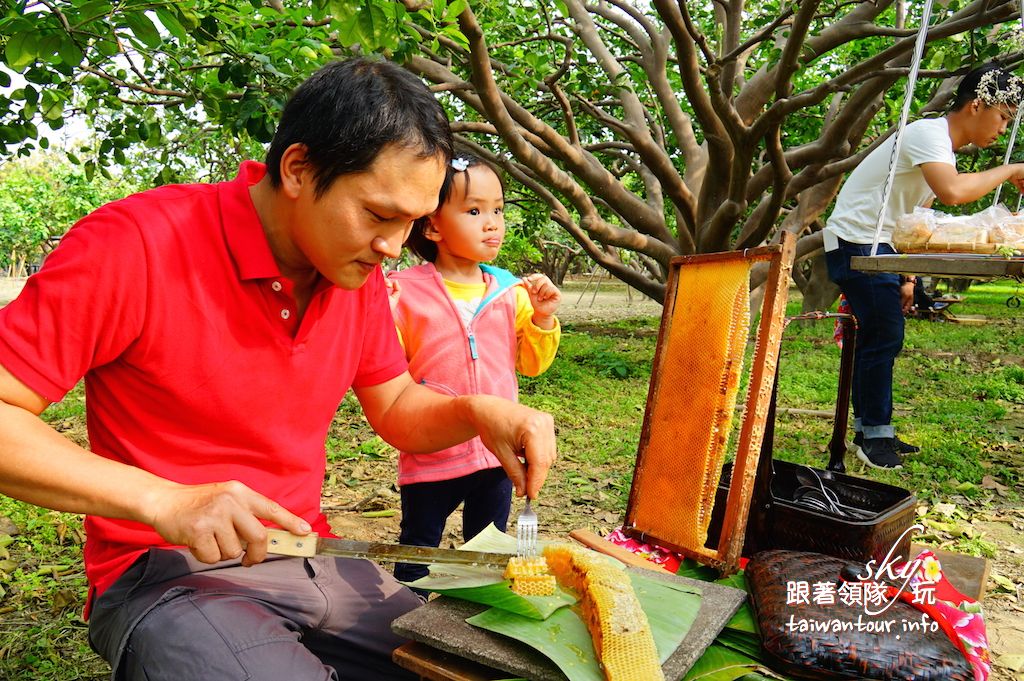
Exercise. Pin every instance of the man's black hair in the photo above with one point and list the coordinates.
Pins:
(417, 240)
(967, 90)
(348, 111)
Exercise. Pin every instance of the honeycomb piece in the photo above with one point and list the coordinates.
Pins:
(530, 576)
(617, 624)
(534, 585)
(525, 566)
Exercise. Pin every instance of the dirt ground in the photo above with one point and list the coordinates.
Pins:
(9, 288)
(362, 504)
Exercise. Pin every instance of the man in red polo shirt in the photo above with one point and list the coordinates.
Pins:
(218, 327)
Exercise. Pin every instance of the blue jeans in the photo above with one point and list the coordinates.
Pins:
(487, 496)
(875, 301)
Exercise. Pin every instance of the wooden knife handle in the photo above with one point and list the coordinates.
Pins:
(287, 544)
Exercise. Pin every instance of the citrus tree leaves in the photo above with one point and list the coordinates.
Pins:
(21, 49)
(196, 79)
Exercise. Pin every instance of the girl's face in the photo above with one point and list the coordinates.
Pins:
(471, 224)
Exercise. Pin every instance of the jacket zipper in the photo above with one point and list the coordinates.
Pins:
(473, 353)
(440, 386)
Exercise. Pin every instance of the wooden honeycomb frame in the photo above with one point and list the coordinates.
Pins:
(688, 450)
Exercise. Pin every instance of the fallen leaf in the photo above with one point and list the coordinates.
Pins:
(1004, 582)
(63, 599)
(1014, 663)
(988, 482)
(945, 509)
(8, 526)
(386, 513)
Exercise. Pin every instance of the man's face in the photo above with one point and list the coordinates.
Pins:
(365, 217)
(991, 122)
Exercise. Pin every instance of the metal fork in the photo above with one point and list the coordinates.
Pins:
(526, 532)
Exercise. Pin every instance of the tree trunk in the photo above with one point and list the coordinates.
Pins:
(820, 292)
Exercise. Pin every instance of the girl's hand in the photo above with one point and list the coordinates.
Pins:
(545, 298)
(394, 293)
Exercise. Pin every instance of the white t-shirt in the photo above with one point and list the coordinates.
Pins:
(856, 213)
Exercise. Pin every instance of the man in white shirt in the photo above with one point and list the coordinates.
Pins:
(986, 101)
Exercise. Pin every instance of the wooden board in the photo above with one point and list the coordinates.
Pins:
(964, 265)
(441, 624)
(435, 665)
(967, 573)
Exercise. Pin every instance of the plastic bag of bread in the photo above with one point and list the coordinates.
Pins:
(1009, 231)
(960, 234)
(913, 230)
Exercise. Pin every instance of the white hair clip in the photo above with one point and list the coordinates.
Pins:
(459, 164)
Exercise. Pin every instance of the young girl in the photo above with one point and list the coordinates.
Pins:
(466, 328)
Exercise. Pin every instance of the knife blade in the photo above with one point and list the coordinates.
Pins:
(285, 543)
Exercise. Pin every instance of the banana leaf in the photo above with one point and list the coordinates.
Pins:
(497, 595)
(747, 644)
(487, 586)
(565, 640)
(719, 663)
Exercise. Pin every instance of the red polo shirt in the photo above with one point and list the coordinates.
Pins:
(171, 306)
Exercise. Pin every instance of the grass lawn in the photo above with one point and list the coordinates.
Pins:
(959, 391)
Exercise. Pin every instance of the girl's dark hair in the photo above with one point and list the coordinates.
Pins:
(458, 167)
(1002, 85)
(348, 111)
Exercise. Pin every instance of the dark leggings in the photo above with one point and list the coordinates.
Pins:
(487, 495)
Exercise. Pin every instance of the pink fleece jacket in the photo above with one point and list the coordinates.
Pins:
(456, 359)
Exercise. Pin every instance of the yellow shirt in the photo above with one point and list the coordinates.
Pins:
(536, 346)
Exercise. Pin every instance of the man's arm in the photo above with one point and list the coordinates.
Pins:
(414, 418)
(40, 466)
(953, 188)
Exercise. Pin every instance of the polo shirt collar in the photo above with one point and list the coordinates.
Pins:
(243, 231)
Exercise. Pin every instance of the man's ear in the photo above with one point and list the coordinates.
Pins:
(296, 171)
(430, 231)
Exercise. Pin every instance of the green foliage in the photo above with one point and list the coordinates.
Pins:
(182, 90)
(42, 198)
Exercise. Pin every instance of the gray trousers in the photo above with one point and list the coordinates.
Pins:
(172, 618)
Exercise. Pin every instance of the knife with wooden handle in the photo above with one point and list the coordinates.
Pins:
(285, 543)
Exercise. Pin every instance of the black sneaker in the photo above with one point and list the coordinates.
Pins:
(902, 448)
(879, 452)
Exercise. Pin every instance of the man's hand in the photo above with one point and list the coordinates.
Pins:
(220, 521)
(1018, 176)
(907, 296)
(512, 431)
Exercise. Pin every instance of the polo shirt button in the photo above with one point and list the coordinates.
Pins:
(285, 314)
(276, 286)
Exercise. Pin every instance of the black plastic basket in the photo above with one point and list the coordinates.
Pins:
(779, 523)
